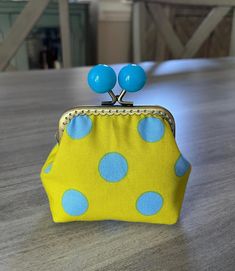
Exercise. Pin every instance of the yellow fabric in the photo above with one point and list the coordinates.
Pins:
(151, 167)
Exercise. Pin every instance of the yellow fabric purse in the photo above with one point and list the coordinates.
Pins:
(116, 163)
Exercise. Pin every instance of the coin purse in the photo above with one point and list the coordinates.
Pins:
(116, 162)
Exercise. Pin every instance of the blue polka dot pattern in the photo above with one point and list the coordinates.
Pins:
(79, 127)
(149, 203)
(151, 129)
(113, 167)
(48, 168)
(181, 166)
(74, 202)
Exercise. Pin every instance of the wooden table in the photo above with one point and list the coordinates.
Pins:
(200, 94)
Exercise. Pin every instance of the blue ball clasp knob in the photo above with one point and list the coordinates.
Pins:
(101, 78)
(132, 78)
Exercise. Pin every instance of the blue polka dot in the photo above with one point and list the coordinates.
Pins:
(48, 168)
(181, 166)
(113, 167)
(151, 129)
(79, 127)
(74, 202)
(149, 203)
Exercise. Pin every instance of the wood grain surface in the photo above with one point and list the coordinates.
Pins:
(201, 96)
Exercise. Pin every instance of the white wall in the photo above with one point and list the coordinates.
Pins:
(114, 31)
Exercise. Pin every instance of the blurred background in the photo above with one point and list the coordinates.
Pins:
(52, 34)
